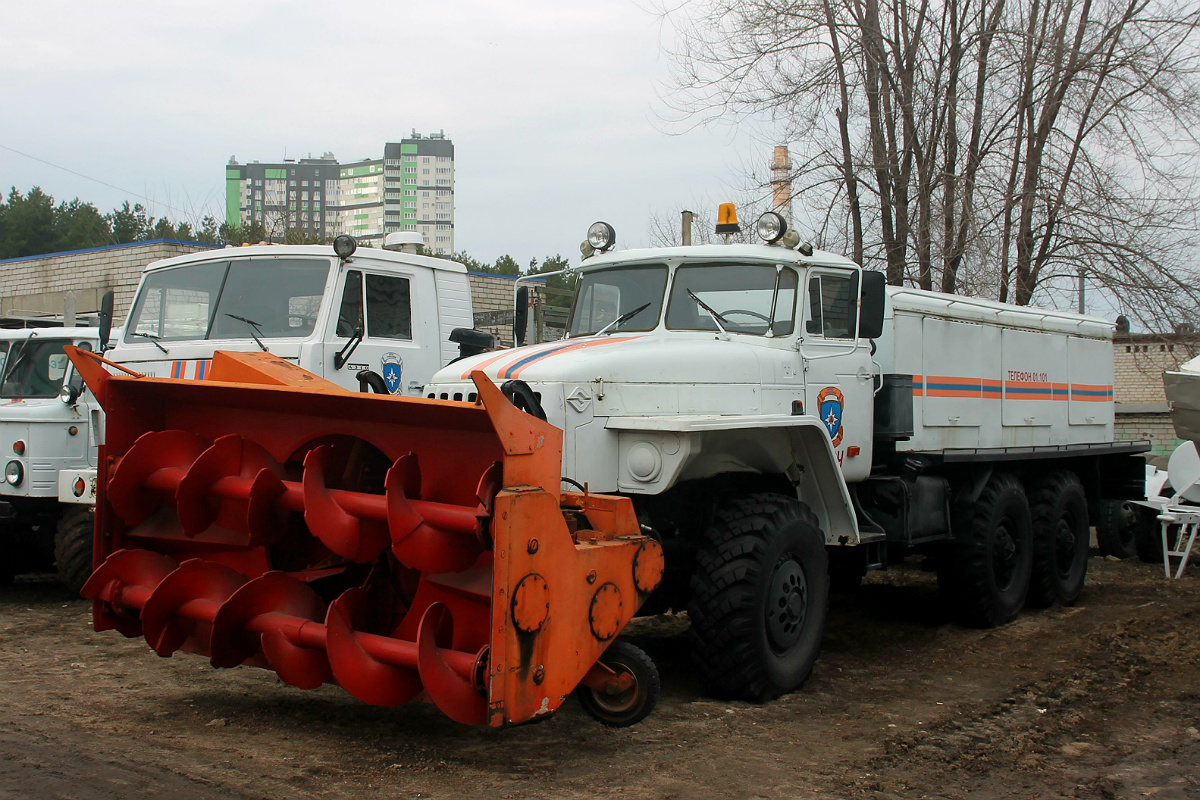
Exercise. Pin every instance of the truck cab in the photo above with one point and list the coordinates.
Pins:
(384, 311)
(46, 427)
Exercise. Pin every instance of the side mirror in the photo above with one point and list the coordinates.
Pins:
(106, 319)
(874, 297)
(521, 315)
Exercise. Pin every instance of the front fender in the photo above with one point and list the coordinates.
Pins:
(656, 453)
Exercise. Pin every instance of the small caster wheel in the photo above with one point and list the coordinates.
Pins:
(622, 709)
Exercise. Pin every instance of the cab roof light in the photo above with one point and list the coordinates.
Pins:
(344, 246)
(727, 221)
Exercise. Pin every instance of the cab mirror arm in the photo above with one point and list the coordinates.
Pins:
(341, 357)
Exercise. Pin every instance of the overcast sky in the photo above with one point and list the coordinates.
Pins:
(553, 107)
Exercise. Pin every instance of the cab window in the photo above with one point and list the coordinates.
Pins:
(389, 309)
(757, 299)
(832, 306)
(35, 368)
(350, 317)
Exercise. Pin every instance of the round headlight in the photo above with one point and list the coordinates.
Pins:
(771, 227)
(14, 473)
(601, 236)
(69, 394)
(344, 246)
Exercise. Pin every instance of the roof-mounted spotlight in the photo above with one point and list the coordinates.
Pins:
(771, 227)
(601, 236)
(344, 246)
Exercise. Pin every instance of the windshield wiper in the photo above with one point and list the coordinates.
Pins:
(717, 318)
(153, 339)
(14, 361)
(621, 320)
(255, 328)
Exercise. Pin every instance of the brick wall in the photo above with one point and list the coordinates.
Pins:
(1140, 360)
(491, 296)
(1156, 427)
(40, 283)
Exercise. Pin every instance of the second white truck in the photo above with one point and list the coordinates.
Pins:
(780, 418)
(378, 319)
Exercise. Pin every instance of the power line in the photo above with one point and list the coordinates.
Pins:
(95, 180)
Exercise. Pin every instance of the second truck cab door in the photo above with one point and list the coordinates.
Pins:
(395, 315)
(839, 383)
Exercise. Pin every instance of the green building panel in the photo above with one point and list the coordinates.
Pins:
(233, 187)
(275, 174)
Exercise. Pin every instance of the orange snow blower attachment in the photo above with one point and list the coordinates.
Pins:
(403, 548)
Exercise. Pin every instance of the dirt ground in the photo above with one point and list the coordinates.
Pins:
(1101, 700)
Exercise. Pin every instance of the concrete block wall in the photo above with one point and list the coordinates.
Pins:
(40, 283)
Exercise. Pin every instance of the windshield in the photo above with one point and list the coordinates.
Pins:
(274, 298)
(757, 299)
(605, 295)
(36, 368)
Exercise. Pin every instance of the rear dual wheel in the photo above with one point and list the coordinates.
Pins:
(1060, 539)
(985, 572)
(1117, 529)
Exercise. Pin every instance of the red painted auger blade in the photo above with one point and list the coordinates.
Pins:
(155, 463)
(121, 571)
(165, 629)
(270, 612)
(416, 543)
(450, 692)
(230, 457)
(356, 670)
(342, 532)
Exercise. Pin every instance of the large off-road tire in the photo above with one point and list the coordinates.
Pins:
(760, 596)
(73, 546)
(1060, 539)
(984, 573)
(1116, 529)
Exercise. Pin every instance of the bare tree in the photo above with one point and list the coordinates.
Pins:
(998, 147)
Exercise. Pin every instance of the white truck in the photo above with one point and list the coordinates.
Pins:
(45, 428)
(384, 319)
(780, 418)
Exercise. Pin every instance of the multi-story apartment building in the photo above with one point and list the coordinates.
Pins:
(410, 189)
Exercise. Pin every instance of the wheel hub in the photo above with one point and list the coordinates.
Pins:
(1004, 556)
(787, 603)
(1064, 541)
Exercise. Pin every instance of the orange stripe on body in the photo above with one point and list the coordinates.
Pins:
(514, 369)
(487, 362)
